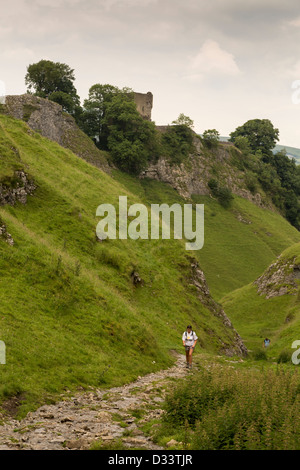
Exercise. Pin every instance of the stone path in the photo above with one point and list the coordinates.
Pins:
(109, 415)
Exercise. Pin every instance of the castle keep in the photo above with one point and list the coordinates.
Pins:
(144, 104)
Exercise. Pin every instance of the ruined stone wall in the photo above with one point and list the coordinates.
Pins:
(144, 104)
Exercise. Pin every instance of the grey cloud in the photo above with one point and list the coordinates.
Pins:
(162, 45)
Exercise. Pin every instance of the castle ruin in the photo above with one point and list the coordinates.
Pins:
(144, 104)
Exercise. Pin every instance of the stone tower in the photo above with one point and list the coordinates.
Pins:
(144, 103)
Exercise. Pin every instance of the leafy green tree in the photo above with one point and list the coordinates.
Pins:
(222, 193)
(287, 171)
(177, 142)
(210, 138)
(70, 104)
(183, 120)
(268, 178)
(132, 140)
(242, 143)
(46, 77)
(93, 116)
(261, 135)
(55, 81)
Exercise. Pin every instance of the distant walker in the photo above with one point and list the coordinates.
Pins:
(189, 339)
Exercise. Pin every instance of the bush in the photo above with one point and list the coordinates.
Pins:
(251, 182)
(177, 143)
(210, 138)
(228, 409)
(222, 193)
(284, 357)
(188, 404)
(225, 196)
(213, 186)
(260, 355)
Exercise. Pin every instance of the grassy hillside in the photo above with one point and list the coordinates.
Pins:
(278, 316)
(70, 314)
(240, 242)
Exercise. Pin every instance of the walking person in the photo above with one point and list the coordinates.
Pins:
(189, 340)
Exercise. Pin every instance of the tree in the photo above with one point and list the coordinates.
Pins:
(132, 140)
(222, 193)
(46, 77)
(183, 120)
(287, 171)
(177, 143)
(55, 81)
(242, 143)
(69, 104)
(210, 138)
(93, 116)
(261, 135)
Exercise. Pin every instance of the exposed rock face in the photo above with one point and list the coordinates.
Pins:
(23, 187)
(136, 279)
(4, 234)
(192, 176)
(199, 281)
(279, 279)
(48, 118)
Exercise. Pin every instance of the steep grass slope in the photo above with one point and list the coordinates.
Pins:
(70, 313)
(239, 242)
(270, 306)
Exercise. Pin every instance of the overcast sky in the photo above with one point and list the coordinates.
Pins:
(220, 62)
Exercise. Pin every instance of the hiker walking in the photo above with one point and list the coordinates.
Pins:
(266, 342)
(189, 340)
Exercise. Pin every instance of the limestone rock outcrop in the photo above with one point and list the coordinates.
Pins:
(280, 278)
(191, 177)
(21, 188)
(47, 118)
(199, 281)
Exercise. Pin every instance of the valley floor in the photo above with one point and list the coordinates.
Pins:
(102, 416)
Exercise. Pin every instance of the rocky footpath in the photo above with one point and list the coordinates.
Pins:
(102, 415)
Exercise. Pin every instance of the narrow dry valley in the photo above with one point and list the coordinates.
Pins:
(101, 415)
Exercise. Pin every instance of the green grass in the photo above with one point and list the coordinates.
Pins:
(234, 252)
(70, 315)
(256, 317)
